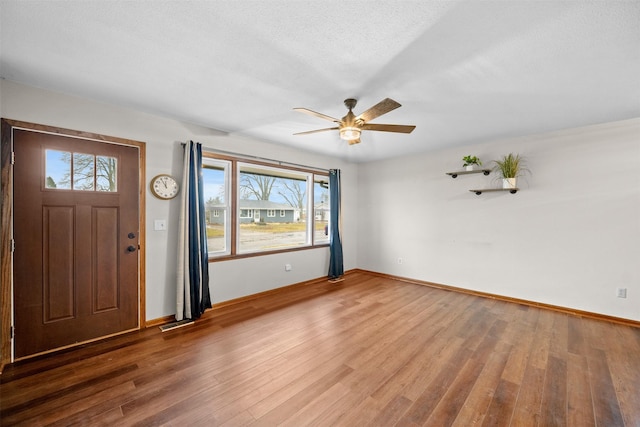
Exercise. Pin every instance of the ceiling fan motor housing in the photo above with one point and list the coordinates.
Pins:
(350, 103)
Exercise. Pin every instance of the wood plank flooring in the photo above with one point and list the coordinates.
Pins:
(368, 351)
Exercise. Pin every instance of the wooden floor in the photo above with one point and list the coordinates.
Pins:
(368, 351)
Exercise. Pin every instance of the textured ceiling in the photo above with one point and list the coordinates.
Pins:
(464, 71)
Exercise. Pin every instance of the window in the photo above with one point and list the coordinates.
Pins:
(321, 209)
(243, 218)
(267, 189)
(65, 170)
(215, 175)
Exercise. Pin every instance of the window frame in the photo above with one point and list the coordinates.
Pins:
(233, 211)
(320, 179)
(226, 208)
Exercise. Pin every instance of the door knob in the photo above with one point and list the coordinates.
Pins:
(131, 248)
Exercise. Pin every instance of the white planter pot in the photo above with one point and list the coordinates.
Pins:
(508, 183)
(470, 167)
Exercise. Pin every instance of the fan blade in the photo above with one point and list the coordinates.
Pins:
(382, 107)
(314, 131)
(388, 128)
(315, 113)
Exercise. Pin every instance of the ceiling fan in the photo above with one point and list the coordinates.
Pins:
(350, 126)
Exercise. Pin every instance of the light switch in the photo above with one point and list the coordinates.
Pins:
(160, 225)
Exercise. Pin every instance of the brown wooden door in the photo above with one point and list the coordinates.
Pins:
(76, 263)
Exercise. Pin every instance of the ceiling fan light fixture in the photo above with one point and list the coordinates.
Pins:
(349, 133)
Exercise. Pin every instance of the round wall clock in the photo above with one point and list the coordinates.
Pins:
(164, 186)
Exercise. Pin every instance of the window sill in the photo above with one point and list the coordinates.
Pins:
(263, 253)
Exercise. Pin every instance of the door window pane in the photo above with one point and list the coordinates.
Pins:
(57, 169)
(89, 172)
(84, 170)
(106, 173)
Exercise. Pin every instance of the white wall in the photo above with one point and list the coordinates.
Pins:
(570, 237)
(229, 279)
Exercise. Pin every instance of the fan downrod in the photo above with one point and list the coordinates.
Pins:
(350, 103)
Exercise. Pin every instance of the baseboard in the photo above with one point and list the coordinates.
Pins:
(169, 319)
(572, 311)
(620, 320)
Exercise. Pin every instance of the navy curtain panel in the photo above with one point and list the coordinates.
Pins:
(336, 267)
(192, 296)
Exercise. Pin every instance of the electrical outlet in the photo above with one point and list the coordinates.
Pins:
(400, 260)
(287, 267)
(621, 292)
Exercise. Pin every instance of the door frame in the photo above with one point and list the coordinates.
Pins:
(6, 223)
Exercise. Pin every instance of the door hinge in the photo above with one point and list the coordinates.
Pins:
(13, 245)
(13, 157)
(11, 332)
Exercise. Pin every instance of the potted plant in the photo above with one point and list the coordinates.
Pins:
(470, 162)
(510, 167)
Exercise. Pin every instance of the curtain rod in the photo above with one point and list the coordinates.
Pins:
(262, 159)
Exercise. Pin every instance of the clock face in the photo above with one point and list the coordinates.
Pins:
(164, 187)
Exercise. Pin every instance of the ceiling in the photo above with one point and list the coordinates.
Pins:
(465, 72)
